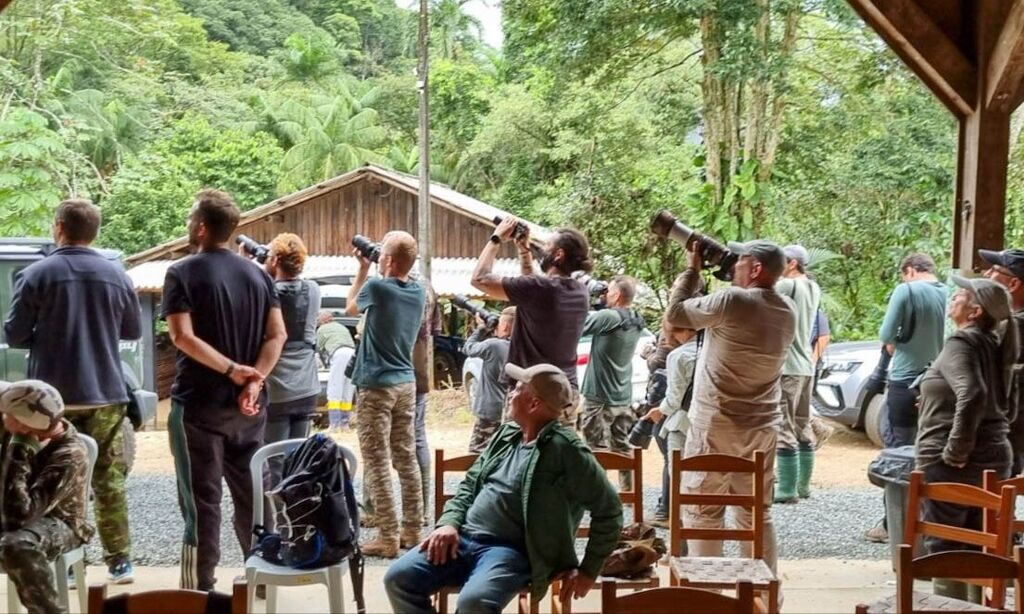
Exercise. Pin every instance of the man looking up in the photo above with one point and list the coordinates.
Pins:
(393, 305)
(513, 521)
(550, 308)
(70, 310)
(608, 383)
(735, 407)
(795, 455)
(223, 316)
(489, 400)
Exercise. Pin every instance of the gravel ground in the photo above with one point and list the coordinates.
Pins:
(829, 525)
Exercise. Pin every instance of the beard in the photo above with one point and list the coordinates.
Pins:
(547, 261)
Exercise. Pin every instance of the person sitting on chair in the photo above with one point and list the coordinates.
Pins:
(496, 537)
(45, 466)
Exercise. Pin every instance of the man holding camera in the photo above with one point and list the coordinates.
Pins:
(550, 308)
(393, 305)
(224, 317)
(608, 383)
(491, 391)
(735, 408)
(795, 455)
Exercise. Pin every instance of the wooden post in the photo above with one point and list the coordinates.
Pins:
(425, 237)
(981, 186)
(147, 301)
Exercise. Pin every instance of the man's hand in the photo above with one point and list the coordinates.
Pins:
(575, 584)
(364, 263)
(442, 545)
(523, 241)
(249, 398)
(694, 259)
(654, 415)
(243, 373)
(480, 323)
(506, 228)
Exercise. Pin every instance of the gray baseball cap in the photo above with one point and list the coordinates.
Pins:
(548, 382)
(798, 253)
(767, 253)
(992, 296)
(34, 403)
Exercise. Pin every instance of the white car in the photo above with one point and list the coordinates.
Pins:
(471, 368)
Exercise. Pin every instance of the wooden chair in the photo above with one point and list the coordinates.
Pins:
(721, 572)
(994, 539)
(677, 600)
(613, 461)
(461, 464)
(993, 484)
(167, 602)
(960, 564)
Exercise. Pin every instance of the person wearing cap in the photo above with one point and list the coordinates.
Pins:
(44, 491)
(513, 521)
(963, 420)
(748, 328)
(336, 347)
(491, 347)
(1007, 269)
(794, 459)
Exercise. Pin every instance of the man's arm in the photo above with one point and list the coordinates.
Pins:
(352, 303)
(601, 321)
(27, 500)
(699, 313)
(273, 341)
(484, 279)
(686, 286)
(21, 323)
(893, 316)
(476, 344)
(131, 319)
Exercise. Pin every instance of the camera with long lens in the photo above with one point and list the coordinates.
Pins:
(490, 318)
(520, 231)
(257, 250)
(713, 253)
(367, 248)
(595, 287)
(643, 430)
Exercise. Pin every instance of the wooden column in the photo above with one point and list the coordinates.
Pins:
(980, 186)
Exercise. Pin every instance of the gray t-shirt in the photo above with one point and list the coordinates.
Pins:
(394, 310)
(295, 374)
(489, 399)
(806, 294)
(497, 511)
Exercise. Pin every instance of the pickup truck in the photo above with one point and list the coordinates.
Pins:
(15, 255)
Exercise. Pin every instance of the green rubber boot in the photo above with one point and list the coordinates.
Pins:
(785, 476)
(806, 467)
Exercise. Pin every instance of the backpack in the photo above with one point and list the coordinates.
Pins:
(315, 513)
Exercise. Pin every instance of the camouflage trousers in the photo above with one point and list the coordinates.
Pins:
(483, 430)
(606, 427)
(111, 503)
(384, 423)
(26, 556)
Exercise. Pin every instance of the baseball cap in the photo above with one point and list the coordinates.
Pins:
(1010, 259)
(992, 296)
(767, 253)
(547, 381)
(798, 253)
(34, 403)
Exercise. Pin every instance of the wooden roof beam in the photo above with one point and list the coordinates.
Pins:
(925, 48)
(1006, 64)
(4, 3)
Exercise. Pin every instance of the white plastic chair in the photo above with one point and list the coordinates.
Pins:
(259, 571)
(73, 560)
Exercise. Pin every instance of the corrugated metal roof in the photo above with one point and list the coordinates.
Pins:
(450, 275)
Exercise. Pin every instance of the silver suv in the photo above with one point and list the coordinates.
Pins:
(841, 392)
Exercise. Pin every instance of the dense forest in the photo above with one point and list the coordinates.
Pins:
(786, 119)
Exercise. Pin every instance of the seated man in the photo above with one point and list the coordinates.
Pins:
(495, 538)
(44, 490)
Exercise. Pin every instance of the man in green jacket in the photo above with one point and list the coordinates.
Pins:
(513, 522)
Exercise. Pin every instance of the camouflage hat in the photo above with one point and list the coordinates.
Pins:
(35, 404)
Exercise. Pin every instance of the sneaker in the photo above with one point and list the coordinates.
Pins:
(822, 431)
(384, 548)
(120, 571)
(877, 534)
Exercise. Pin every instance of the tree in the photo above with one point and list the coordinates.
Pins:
(31, 173)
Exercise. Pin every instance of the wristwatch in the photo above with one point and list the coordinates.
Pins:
(495, 239)
(231, 369)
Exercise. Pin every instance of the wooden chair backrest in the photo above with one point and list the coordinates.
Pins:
(677, 600)
(717, 463)
(442, 465)
(994, 485)
(959, 564)
(162, 602)
(634, 464)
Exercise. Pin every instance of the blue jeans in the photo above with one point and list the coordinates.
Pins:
(490, 575)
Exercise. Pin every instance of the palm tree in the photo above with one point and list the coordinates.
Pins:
(453, 28)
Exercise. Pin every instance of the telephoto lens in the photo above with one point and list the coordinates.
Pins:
(491, 319)
(714, 254)
(367, 248)
(520, 230)
(594, 287)
(257, 250)
(641, 434)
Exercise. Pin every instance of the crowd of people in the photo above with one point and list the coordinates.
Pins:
(731, 371)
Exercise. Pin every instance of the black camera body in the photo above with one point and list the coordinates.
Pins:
(520, 231)
(367, 248)
(713, 253)
(257, 250)
(595, 287)
(463, 303)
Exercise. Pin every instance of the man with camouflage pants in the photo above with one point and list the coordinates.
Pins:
(44, 491)
(384, 376)
(72, 308)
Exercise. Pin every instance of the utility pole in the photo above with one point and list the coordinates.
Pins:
(425, 233)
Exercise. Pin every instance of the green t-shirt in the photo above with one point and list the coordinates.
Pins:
(330, 337)
(393, 310)
(609, 376)
(806, 294)
(927, 301)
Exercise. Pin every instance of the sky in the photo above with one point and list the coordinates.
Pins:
(487, 11)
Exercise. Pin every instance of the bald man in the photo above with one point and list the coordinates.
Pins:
(393, 307)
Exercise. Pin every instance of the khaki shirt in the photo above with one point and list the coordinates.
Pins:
(747, 334)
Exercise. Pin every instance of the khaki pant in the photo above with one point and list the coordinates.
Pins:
(736, 442)
(795, 431)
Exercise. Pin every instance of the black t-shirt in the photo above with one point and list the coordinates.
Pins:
(550, 312)
(230, 300)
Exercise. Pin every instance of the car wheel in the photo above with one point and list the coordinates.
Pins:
(128, 434)
(444, 371)
(873, 419)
